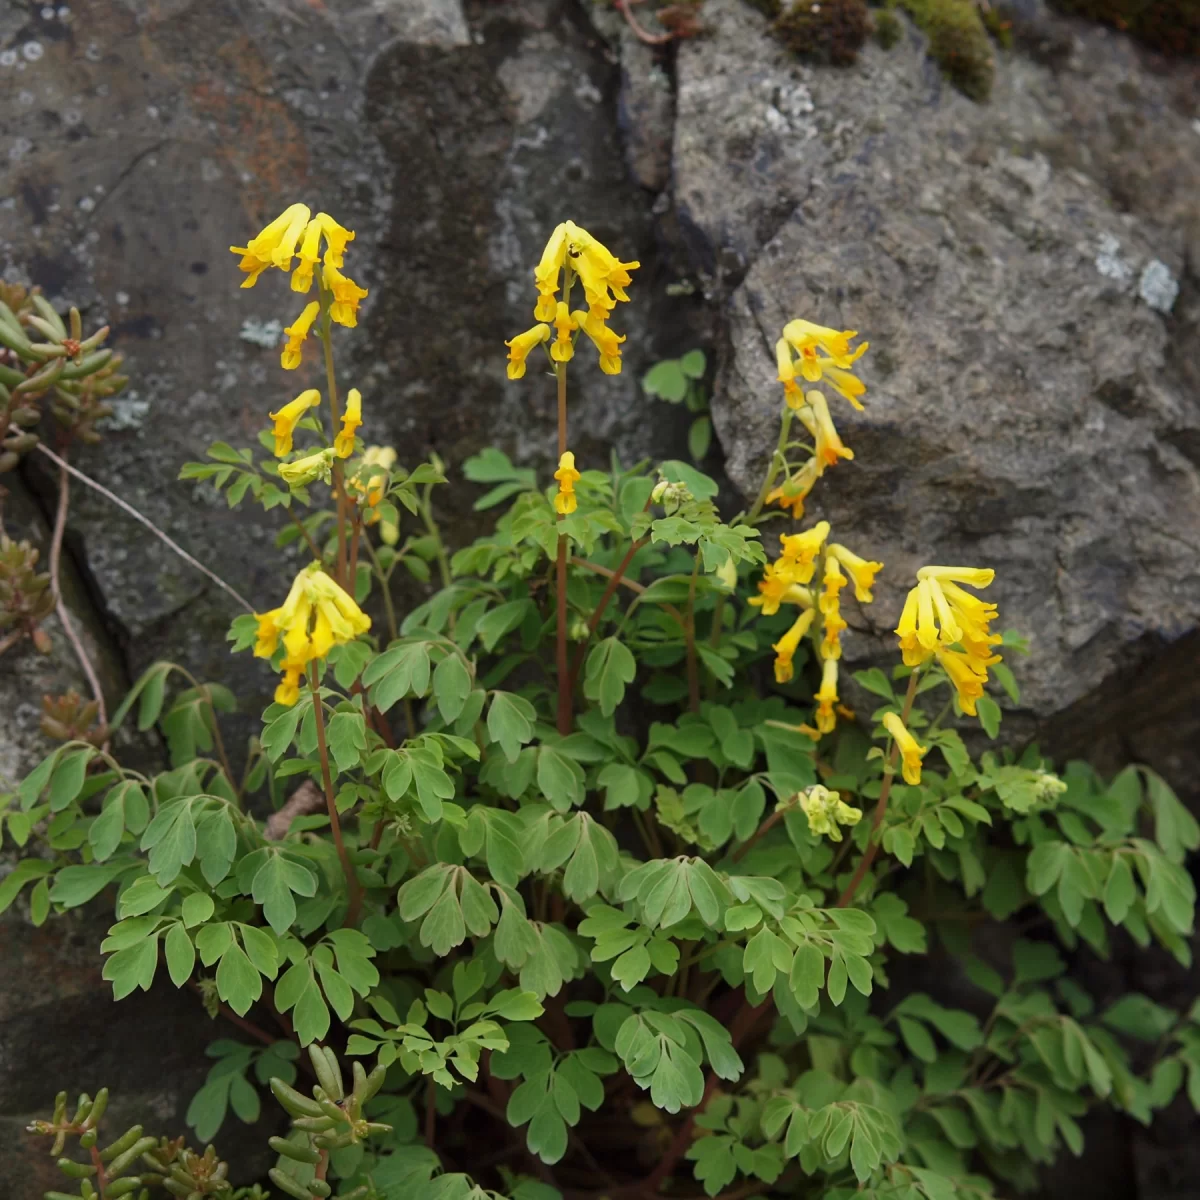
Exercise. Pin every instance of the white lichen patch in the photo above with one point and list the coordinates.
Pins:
(266, 334)
(129, 413)
(1157, 286)
(1109, 262)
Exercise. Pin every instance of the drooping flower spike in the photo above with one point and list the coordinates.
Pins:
(823, 353)
(826, 811)
(316, 616)
(570, 254)
(911, 752)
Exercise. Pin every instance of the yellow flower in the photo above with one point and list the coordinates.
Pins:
(308, 469)
(274, 246)
(800, 549)
(607, 342)
(603, 275)
(860, 570)
(785, 648)
(967, 674)
(546, 273)
(346, 295)
(816, 419)
(297, 332)
(288, 690)
(336, 238)
(371, 479)
(343, 443)
(566, 502)
(787, 374)
(316, 616)
(777, 586)
(827, 811)
(287, 418)
(910, 752)
(827, 696)
(520, 346)
(309, 253)
(808, 339)
(564, 345)
(793, 492)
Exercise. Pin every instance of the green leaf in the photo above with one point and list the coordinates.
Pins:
(273, 885)
(451, 686)
(515, 1005)
(989, 715)
(699, 437)
(346, 734)
(666, 380)
(559, 778)
(125, 807)
(70, 771)
(510, 722)
(180, 954)
(133, 967)
(610, 668)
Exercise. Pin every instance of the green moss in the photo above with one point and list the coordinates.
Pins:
(888, 29)
(824, 31)
(999, 24)
(1172, 26)
(958, 42)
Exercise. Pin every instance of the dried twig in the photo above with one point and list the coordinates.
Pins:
(305, 800)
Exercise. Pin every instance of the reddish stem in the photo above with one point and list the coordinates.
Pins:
(614, 581)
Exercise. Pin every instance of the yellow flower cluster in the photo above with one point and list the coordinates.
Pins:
(785, 582)
(942, 620)
(316, 616)
(572, 253)
(815, 353)
(297, 235)
(566, 501)
(827, 812)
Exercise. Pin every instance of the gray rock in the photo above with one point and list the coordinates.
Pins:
(1028, 408)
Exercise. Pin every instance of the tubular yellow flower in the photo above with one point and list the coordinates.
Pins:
(816, 419)
(605, 340)
(910, 752)
(827, 811)
(343, 443)
(308, 253)
(288, 417)
(792, 493)
(801, 549)
(603, 275)
(520, 346)
(336, 238)
(566, 501)
(308, 469)
(778, 586)
(274, 245)
(546, 273)
(297, 332)
(787, 374)
(848, 386)
(346, 296)
(785, 648)
(563, 349)
(979, 577)
(860, 571)
(827, 696)
(371, 479)
(288, 690)
(967, 675)
(834, 365)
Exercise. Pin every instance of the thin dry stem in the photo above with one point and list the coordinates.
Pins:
(137, 516)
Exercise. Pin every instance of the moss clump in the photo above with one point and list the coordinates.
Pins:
(1172, 26)
(888, 29)
(958, 42)
(824, 31)
(768, 8)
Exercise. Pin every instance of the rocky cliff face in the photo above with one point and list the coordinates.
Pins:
(1027, 271)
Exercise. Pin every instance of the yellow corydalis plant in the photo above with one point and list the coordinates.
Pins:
(942, 620)
(571, 254)
(316, 616)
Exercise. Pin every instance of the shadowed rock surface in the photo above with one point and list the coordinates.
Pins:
(1034, 383)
